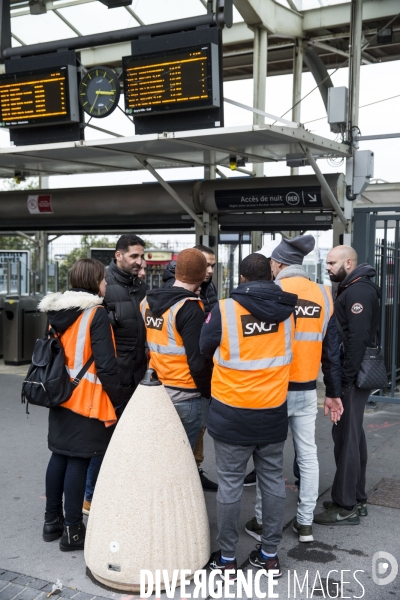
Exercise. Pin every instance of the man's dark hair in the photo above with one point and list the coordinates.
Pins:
(255, 267)
(129, 239)
(205, 249)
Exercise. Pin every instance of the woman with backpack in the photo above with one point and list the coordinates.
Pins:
(81, 427)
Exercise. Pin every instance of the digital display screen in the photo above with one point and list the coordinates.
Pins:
(172, 80)
(39, 97)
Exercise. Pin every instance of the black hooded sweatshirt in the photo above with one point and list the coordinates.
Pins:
(357, 312)
(189, 321)
(241, 426)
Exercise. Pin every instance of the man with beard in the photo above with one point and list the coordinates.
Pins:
(357, 314)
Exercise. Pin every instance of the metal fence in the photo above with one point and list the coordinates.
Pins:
(377, 242)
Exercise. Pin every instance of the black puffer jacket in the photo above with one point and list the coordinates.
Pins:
(357, 311)
(247, 426)
(69, 433)
(124, 294)
(208, 293)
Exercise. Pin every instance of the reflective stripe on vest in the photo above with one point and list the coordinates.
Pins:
(88, 399)
(248, 373)
(235, 361)
(169, 359)
(310, 329)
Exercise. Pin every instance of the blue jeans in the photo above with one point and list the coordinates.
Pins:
(193, 415)
(92, 475)
(302, 413)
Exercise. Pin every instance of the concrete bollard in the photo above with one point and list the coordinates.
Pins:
(148, 509)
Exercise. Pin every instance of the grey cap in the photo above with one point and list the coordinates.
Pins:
(292, 252)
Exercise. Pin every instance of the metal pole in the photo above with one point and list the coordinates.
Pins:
(298, 54)
(395, 306)
(8, 278)
(56, 276)
(170, 190)
(5, 25)
(326, 187)
(354, 65)
(259, 82)
(19, 278)
(109, 37)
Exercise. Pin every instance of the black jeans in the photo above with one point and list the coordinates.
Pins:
(350, 450)
(66, 475)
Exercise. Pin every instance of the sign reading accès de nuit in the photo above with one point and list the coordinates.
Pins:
(272, 199)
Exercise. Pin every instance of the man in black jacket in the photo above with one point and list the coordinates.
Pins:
(208, 292)
(176, 314)
(125, 291)
(357, 313)
(209, 297)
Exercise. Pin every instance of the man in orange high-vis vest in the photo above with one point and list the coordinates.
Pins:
(250, 336)
(315, 341)
(173, 319)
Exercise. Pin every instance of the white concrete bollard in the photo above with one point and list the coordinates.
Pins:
(148, 509)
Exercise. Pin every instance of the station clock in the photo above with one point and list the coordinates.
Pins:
(99, 92)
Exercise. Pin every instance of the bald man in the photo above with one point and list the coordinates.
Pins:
(357, 316)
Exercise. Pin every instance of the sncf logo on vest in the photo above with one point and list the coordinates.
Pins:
(252, 326)
(153, 322)
(306, 309)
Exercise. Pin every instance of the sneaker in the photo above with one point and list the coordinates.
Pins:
(269, 564)
(362, 509)
(304, 531)
(86, 507)
(207, 484)
(254, 528)
(336, 515)
(216, 563)
(250, 478)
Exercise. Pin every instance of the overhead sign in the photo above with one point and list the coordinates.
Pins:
(172, 80)
(39, 97)
(39, 204)
(13, 257)
(269, 199)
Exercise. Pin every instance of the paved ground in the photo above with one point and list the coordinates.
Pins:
(29, 567)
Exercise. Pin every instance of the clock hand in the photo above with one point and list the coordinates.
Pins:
(95, 100)
(106, 93)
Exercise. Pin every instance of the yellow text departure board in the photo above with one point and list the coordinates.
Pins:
(35, 98)
(170, 81)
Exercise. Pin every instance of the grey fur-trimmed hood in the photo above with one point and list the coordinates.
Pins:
(69, 300)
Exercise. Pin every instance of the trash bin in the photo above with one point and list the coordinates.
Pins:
(22, 325)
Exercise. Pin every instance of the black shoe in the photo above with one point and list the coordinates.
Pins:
(53, 526)
(269, 563)
(73, 538)
(250, 478)
(336, 515)
(216, 563)
(207, 484)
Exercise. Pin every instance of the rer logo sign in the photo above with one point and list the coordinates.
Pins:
(252, 326)
(306, 309)
(39, 204)
(153, 322)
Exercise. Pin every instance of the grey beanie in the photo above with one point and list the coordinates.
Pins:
(292, 252)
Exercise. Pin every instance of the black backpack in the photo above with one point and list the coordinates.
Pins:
(48, 382)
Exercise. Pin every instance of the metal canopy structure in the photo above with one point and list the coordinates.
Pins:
(255, 144)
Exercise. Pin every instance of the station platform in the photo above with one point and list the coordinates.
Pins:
(29, 567)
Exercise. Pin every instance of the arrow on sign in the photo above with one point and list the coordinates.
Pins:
(312, 198)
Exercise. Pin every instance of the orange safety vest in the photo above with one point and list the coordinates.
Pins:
(166, 350)
(252, 362)
(313, 310)
(89, 398)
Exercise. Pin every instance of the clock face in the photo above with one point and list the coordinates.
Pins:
(99, 92)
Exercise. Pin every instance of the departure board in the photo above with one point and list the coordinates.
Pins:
(172, 80)
(39, 97)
